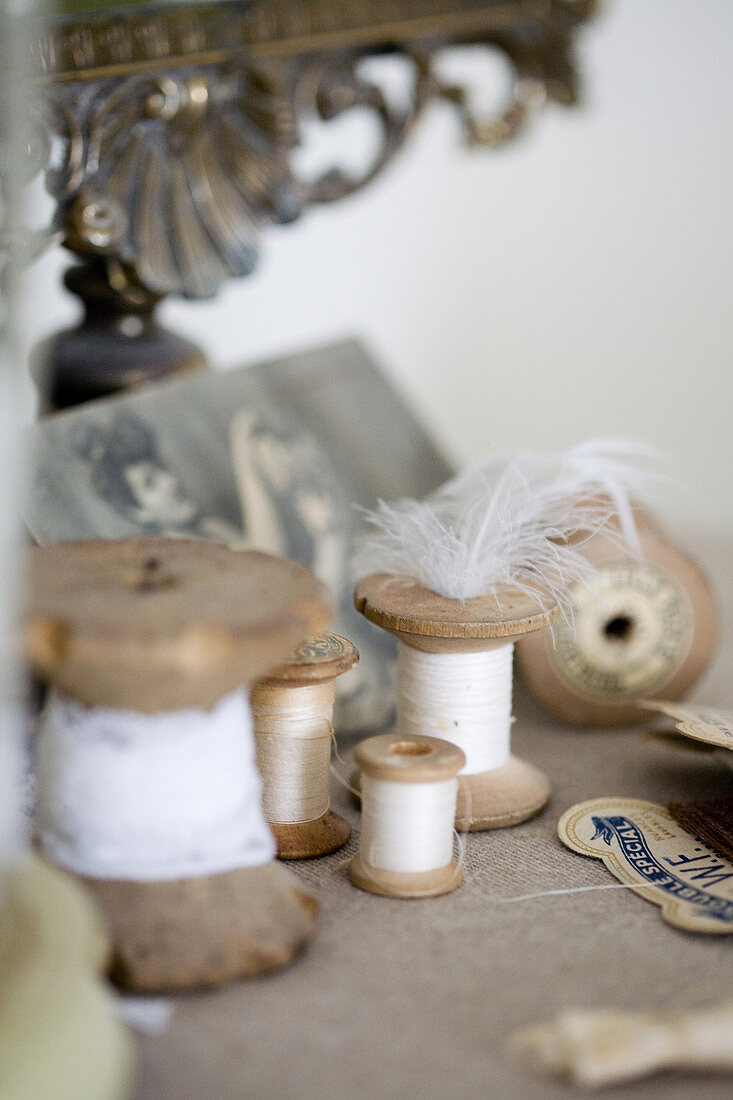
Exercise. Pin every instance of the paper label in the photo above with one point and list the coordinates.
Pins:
(708, 724)
(629, 631)
(643, 846)
(320, 649)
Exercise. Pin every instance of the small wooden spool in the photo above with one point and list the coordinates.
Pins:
(307, 683)
(157, 625)
(639, 629)
(413, 760)
(431, 623)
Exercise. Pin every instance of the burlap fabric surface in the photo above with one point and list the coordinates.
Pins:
(417, 999)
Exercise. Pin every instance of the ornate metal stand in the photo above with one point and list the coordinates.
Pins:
(168, 134)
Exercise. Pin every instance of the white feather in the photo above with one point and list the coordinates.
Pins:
(518, 522)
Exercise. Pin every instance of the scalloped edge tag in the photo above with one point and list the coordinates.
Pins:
(644, 847)
(708, 724)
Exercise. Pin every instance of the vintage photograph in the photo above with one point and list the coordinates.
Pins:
(278, 456)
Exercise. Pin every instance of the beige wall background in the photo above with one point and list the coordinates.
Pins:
(574, 284)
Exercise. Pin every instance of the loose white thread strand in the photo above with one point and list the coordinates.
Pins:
(477, 889)
(407, 827)
(293, 734)
(459, 838)
(465, 698)
(155, 797)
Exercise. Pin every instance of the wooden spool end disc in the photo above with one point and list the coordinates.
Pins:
(407, 760)
(310, 839)
(438, 624)
(640, 629)
(157, 624)
(317, 661)
(198, 932)
(498, 799)
(321, 658)
(153, 625)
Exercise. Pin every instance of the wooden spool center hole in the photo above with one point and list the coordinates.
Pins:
(150, 575)
(409, 748)
(619, 628)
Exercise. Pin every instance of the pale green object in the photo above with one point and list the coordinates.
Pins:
(60, 1037)
(94, 7)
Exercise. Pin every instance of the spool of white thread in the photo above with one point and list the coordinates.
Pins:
(454, 682)
(293, 721)
(409, 789)
(465, 698)
(150, 797)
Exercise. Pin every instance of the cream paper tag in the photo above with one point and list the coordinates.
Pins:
(643, 846)
(713, 726)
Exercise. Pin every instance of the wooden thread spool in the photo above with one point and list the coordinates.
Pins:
(292, 709)
(639, 629)
(443, 628)
(146, 643)
(409, 788)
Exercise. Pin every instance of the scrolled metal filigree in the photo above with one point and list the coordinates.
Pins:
(178, 144)
(331, 87)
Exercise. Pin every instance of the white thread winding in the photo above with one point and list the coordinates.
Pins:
(465, 698)
(407, 827)
(150, 798)
(293, 735)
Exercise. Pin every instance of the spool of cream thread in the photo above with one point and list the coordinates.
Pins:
(454, 682)
(292, 709)
(408, 790)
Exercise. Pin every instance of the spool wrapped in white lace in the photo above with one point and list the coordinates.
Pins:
(150, 797)
(461, 576)
(147, 782)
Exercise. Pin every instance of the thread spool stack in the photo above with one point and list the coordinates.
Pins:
(292, 709)
(454, 682)
(148, 788)
(409, 789)
(641, 628)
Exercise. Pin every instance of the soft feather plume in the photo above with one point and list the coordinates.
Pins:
(518, 522)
